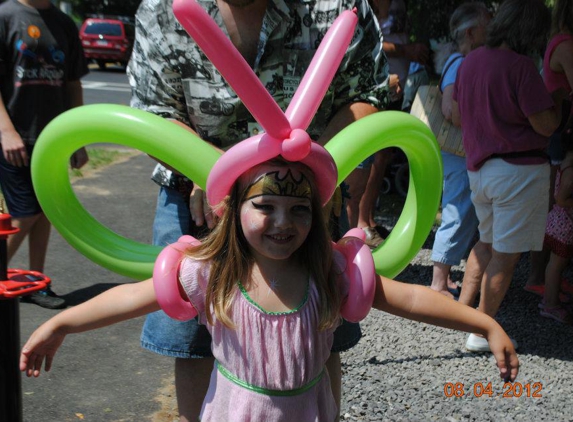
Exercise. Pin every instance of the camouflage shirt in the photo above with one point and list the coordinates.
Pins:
(172, 78)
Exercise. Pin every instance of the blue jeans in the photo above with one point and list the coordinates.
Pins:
(169, 337)
(456, 234)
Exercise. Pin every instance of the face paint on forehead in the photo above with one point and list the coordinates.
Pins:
(280, 183)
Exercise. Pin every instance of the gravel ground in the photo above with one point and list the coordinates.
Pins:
(398, 371)
(407, 371)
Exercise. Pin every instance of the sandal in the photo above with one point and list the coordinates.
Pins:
(539, 290)
(557, 313)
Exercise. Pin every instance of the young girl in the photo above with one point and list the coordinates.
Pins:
(559, 238)
(269, 286)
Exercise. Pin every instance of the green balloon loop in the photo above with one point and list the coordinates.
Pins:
(194, 158)
(119, 125)
(397, 129)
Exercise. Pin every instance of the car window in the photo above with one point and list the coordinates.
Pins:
(103, 28)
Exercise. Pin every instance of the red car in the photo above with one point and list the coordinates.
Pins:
(107, 40)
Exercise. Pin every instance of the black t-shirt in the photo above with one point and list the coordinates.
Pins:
(39, 51)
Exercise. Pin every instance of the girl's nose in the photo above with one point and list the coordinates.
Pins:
(282, 219)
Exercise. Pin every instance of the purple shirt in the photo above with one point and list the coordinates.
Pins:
(496, 90)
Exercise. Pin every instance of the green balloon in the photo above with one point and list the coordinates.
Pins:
(397, 129)
(116, 124)
(168, 142)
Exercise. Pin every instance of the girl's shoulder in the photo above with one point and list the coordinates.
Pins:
(193, 270)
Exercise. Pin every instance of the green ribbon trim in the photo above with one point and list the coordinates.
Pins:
(266, 391)
(292, 311)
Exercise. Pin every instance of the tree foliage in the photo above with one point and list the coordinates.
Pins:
(430, 18)
(84, 8)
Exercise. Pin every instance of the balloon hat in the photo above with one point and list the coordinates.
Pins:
(284, 132)
(284, 135)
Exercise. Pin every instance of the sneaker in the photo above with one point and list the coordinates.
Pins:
(46, 299)
(373, 239)
(479, 344)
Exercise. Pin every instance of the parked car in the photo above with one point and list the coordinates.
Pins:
(107, 40)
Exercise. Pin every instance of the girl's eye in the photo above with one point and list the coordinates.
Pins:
(302, 208)
(262, 207)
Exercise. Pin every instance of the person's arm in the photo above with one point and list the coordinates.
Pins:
(115, 305)
(564, 197)
(422, 304)
(447, 102)
(456, 116)
(75, 96)
(13, 147)
(546, 122)
(344, 117)
(415, 52)
(562, 60)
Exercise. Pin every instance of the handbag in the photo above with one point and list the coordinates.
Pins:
(427, 107)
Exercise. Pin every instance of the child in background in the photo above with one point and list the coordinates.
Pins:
(559, 237)
(268, 285)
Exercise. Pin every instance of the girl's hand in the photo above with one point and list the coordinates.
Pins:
(502, 349)
(42, 345)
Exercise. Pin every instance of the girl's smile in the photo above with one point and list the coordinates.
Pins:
(276, 226)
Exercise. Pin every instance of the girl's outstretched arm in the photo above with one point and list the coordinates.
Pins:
(422, 304)
(118, 304)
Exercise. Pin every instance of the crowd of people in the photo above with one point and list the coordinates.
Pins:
(255, 270)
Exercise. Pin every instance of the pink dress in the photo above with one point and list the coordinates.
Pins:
(559, 230)
(271, 366)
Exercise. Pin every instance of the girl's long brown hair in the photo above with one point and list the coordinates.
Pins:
(231, 261)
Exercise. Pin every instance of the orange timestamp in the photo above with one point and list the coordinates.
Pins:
(480, 389)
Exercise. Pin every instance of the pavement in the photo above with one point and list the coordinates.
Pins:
(103, 375)
(398, 372)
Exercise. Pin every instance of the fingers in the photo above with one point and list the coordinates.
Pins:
(508, 364)
(201, 212)
(31, 363)
(208, 212)
(17, 157)
(196, 206)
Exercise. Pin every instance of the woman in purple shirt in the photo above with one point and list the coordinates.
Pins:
(506, 116)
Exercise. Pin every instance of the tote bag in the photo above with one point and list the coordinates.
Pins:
(427, 107)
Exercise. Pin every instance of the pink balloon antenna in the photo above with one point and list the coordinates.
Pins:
(284, 133)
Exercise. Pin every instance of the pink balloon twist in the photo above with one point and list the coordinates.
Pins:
(285, 135)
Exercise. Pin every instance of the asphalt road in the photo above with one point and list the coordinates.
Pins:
(102, 375)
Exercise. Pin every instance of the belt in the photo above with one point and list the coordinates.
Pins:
(522, 154)
(266, 391)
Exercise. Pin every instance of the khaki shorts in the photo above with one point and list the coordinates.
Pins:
(511, 203)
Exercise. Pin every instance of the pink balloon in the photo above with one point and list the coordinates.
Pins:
(229, 62)
(166, 281)
(361, 273)
(321, 71)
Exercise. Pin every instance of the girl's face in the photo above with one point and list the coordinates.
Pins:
(275, 226)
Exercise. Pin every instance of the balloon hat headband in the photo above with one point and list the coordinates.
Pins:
(285, 133)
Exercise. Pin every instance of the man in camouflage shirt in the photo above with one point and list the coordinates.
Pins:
(172, 78)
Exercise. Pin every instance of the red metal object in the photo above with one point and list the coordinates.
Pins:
(13, 283)
(21, 282)
(6, 228)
